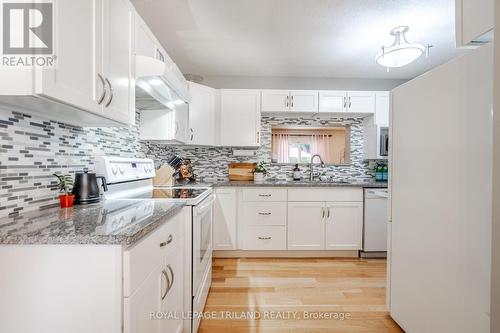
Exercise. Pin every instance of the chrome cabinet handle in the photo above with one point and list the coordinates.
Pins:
(101, 98)
(164, 294)
(265, 238)
(328, 216)
(345, 102)
(286, 101)
(110, 91)
(264, 195)
(169, 240)
(292, 102)
(350, 102)
(262, 213)
(192, 134)
(258, 137)
(173, 277)
(322, 213)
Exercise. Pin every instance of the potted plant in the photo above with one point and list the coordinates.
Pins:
(65, 184)
(259, 172)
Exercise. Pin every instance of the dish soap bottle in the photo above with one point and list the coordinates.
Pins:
(296, 172)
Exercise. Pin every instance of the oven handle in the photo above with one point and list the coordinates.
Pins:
(209, 203)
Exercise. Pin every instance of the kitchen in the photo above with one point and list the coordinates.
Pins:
(206, 185)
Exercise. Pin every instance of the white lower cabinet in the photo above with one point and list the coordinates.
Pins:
(343, 225)
(154, 281)
(225, 219)
(325, 225)
(306, 227)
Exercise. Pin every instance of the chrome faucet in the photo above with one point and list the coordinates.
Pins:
(311, 166)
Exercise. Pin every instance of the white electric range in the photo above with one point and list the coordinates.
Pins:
(132, 178)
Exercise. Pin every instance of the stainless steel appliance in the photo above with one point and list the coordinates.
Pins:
(375, 223)
(383, 141)
(132, 179)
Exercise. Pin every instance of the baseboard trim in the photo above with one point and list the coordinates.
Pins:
(285, 254)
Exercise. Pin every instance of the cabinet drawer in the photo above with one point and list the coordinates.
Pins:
(264, 213)
(265, 238)
(264, 194)
(141, 259)
(325, 194)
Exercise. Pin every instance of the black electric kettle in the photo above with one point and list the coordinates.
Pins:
(86, 189)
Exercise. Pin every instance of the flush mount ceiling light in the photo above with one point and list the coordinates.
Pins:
(400, 53)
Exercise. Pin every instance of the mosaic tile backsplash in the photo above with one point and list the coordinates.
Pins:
(33, 148)
(210, 163)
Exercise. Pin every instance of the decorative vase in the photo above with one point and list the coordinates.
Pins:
(66, 200)
(258, 177)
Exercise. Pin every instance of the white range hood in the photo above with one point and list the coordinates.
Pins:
(158, 85)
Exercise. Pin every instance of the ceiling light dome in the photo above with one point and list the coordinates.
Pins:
(400, 53)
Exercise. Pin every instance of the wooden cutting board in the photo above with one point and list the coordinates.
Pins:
(241, 171)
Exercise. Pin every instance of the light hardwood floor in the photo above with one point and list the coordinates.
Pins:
(353, 288)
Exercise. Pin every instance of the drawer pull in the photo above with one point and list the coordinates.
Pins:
(265, 238)
(262, 213)
(164, 294)
(264, 195)
(169, 240)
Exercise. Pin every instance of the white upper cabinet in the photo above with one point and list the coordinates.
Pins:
(275, 100)
(239, 118)
(332, 101)
(75, 80)
(361, 101)
(474, 21)
(289, 101)
(201, 115)
(382, 104)
(117, 65)
(343, 225)
(335, 101)
(303, 101)
(91, 83)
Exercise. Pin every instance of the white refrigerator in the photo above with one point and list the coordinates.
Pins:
(440, 197)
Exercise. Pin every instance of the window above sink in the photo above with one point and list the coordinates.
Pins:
(297, 144)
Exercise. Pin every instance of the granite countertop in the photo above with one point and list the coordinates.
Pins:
(111, 222)
(303, 183)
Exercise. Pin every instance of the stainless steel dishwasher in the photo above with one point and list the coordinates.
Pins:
(375, 223)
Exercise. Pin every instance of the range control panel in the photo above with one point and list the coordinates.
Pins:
(119, 169)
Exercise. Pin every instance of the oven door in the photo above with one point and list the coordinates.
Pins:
(202, 240)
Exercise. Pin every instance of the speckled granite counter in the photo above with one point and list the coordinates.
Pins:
(111, 222)
(302, 183)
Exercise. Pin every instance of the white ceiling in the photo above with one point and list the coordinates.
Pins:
(299, 38)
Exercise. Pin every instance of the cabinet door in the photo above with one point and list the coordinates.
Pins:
(181, 123)
(275, 100)
(146, 299)
(224, 229)
(201, 115)
(332, 101)
(75, 80)
(173, 302)
(306, 227)
(240, 118)
(119, 104)
(382, 108)
(344, 225)
(474, 21)
(361, 101)
(303, 101)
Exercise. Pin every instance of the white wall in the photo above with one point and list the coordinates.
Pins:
(249, 82)
(495, 275)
